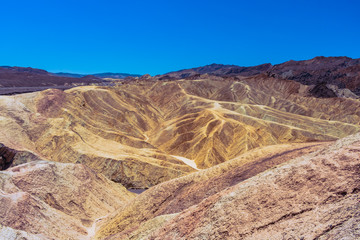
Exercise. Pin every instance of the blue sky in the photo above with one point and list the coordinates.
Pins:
(160, 36)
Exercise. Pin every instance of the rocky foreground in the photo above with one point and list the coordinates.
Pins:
(308, 191)
(313, 196)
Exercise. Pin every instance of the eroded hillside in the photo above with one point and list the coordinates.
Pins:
(146, 132)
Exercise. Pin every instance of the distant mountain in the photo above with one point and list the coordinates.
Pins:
(115, 75)
(328, 75)
(342, 72)
(9, 69)
(218, 70)
(64, 74)
(32, 77)
(100, 75)
(14, 80)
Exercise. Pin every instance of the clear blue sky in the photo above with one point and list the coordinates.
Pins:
(160, 36)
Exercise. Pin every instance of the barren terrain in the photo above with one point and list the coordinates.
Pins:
(222, 152)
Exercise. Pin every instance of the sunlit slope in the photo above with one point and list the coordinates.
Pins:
(86, 125)
(132, 132)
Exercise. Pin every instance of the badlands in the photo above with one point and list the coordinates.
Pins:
(217, 152)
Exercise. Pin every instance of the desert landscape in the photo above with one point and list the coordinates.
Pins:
(214, 152)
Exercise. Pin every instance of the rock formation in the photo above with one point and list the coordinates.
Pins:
(56, 200)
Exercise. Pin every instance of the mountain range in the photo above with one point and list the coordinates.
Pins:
(342, 72)
(330, 76)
